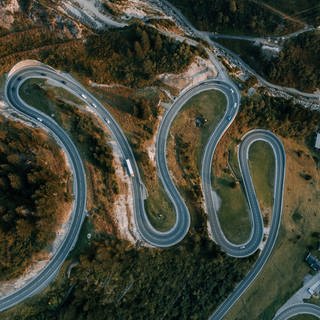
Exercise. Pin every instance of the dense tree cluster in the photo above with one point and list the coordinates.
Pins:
(116, 281)
(132, 56)
(28, 40)
(142, 109)
(279, 115)
(235, 16)
(31, 192)
(137, 54)
(296, 66)
(298, 63)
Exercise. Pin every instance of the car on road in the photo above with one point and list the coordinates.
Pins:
(235, 105)
(108, 121)
(229, 118)
(243, 247)
(63, 82)
(39, 119)
(94, 105)
(83, 96)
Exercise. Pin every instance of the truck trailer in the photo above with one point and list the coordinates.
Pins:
(130, 170)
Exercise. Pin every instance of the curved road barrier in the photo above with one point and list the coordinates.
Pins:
(296, 309)
(33, 69)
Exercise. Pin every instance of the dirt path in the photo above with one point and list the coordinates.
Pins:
(280, 13)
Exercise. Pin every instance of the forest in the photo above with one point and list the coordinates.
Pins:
(283, 117)
(132, 56)
(298, 63)
(33, 194)
(114, 280)
(234, 17)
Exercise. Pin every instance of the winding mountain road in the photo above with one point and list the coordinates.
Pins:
(79, 189)
(280, 165)
(31, 69)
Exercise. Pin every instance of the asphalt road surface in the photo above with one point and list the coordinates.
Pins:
(79, 189)
(280, 165)
(303, 308)
(28, 70)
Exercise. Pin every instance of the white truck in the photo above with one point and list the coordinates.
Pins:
(130, 170)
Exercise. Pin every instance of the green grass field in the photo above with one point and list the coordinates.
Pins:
(210, 106)
(234, 212)
(304, 317)
(285, 270)
(280, 278)
(159, 209)
(262, 169)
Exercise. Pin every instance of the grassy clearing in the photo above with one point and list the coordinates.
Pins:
(234, 211)
(262, 169)
(160, 212)
(31, 91)
(83, 243)
(314, 300)
(304, 317)
(186, 143)
(283, 274)
(281, 277)
(209, 105)
(185, 150)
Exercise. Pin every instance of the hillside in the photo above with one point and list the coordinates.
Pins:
(35, 195)
(235, 17)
